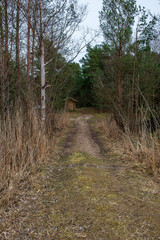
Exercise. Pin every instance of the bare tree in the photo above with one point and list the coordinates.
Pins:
(45, 21)
(57, 24)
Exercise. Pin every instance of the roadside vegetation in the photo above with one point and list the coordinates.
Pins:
(82, 194)
(142, 150)
(24, 146)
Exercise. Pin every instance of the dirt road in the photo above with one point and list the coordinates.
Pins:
(85, 194)
(81, 138)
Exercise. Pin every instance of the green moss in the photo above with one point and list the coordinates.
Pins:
(111, 196)
(77, 157)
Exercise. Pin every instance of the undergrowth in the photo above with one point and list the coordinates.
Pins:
(142, 149)
(23, 145)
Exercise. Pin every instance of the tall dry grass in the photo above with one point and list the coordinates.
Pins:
(141, 148)
(23, 145)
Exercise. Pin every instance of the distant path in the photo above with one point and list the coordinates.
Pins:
(81, 139)
(84, 194)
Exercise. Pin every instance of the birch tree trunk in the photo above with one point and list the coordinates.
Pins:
(34, 25)
(43, 80)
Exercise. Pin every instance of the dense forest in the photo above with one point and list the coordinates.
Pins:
(38, 72)
(122, 74)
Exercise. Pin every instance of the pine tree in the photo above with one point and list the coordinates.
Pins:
(116, 21)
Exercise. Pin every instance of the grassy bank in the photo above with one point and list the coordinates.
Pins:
(143, 149)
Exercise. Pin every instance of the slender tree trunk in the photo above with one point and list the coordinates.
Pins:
(137, 99)
(17, 49)
(43, 80)
(119, 78)
(11, 37)
(28, 55)
(34, 25)
(32, 64)
(133, 79)
(33, 55)
(1, 60)
(6, 95)
(1, 41)
(43, 97)
(33, 52)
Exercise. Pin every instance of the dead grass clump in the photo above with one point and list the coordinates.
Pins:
(108, 127)
(144, 149)
(23, 145)
(56, 122)
(147, 152)
(61, 120)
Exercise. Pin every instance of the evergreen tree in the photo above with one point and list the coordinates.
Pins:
(116, 21)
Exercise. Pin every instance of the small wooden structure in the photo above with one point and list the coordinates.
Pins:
(70, 104)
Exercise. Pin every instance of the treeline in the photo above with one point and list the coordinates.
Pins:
(123, 73)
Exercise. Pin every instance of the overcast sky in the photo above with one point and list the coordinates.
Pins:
(94, 6)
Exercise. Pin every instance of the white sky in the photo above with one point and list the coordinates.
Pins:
(94, 6)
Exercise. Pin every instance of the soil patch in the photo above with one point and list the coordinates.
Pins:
(81, 138)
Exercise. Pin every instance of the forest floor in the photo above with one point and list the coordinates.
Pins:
(86, 192)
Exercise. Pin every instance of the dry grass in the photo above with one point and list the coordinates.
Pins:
(78, 196)
(144, 149)
(23, 145)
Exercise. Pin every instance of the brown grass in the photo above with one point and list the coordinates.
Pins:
(23, 145)
(143, 149)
